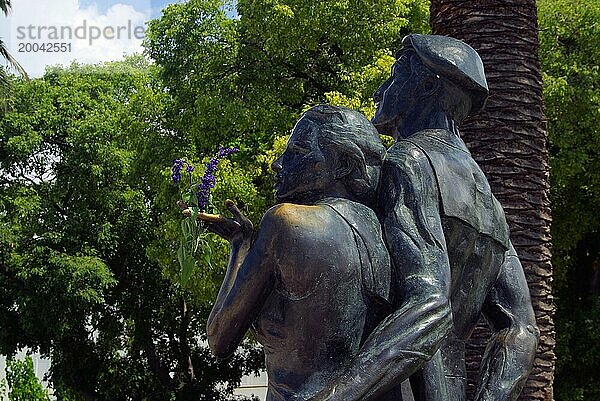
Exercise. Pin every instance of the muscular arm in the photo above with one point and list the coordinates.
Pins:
(410, 336)
(510, 353)
(247, 284)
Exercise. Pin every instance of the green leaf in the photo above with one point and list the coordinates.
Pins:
(187, 198)
(181, 255)
(207, 256)
(192, 199)
(185, 228)
(187, 268)
(195, 211)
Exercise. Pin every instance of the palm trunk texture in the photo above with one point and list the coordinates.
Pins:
(508, 140)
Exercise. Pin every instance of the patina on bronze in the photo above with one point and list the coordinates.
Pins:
(448, 241)
(316, 280)
(316, 283)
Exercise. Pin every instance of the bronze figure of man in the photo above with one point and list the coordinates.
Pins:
(448, 240)
(316, 280)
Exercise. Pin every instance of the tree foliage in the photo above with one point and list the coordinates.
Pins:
(249, 78)
(79, 221)
(88, 222)
(570, 62)
(21, 383)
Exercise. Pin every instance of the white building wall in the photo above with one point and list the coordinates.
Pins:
(251, 385)
(40, 366)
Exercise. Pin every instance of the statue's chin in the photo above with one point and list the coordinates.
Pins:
(296, 196)
(386, 127)
(284, 196)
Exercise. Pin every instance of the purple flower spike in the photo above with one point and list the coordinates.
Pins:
(208, 180)
(226, 152)
(176, 170)
(177, 167)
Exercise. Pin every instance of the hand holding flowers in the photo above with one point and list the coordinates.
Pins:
(195, 200)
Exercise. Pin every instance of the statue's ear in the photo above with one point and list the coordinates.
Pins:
(345, 166)
(430, 86)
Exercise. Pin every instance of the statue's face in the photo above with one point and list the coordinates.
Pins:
(396, 98)
(303, 171)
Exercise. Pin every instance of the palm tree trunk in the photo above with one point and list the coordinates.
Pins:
(508, 140)
(5, 6)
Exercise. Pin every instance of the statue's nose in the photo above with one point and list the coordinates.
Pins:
(276, 165)
(377, 96)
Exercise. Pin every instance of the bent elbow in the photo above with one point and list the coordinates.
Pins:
(220, 346)
(528, 337)
(523, 331)
(436, 324)
(441, 312)
(521, 337)
(534, 332)
(219, 350)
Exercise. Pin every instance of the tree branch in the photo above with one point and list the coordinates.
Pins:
(184, 347)
(160, 369)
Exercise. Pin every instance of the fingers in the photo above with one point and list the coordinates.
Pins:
(184, 208)
(214, 218)
(228, 228)
(234, 209)
(211, 218)
(243, 220)
(218, 224)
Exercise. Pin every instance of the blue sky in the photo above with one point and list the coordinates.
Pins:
(104, 5)
(58, 14)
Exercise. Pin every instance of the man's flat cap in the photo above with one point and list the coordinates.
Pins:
(454, 60)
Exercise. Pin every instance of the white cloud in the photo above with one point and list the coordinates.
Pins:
(39, 21)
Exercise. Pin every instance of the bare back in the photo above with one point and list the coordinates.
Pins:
(314, 319)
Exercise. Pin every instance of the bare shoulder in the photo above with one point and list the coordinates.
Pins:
(291, 215)
(286, 225)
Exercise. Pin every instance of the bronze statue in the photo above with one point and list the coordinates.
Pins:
(316, 280)
(337, 321)
(447, 236)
